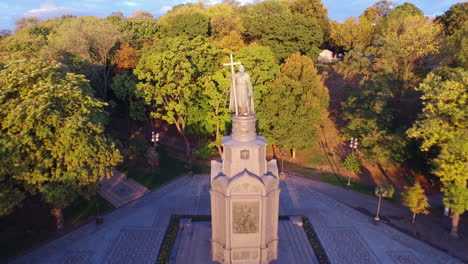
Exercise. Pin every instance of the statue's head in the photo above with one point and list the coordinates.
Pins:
(241, 68)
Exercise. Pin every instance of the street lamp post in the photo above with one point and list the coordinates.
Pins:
(380, 191)
(353, 145)
(155, 154)
(282, 153)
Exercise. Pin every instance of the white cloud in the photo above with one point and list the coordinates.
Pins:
(165, 9)
(46, 10)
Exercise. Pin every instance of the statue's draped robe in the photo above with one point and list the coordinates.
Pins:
(244, 93)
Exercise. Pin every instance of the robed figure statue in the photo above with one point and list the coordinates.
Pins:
(244, 93)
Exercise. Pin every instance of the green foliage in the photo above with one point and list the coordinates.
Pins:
(188, 21)
(454, 18)
(84, 44)
(205, 149)
(457, 47)
(352, 163)
(315, 11)
(170, 74)
(10, 195)
(224, 19)
(124, 88)
(50, 137)
(351, 33)
(443, 125)
(415, 199)
(274, 25)
(138, 29)
(31, 38)
(369, 118)
(294, 104)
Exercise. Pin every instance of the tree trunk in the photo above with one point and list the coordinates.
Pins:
(455, 222)
(58, 218)
(414, 216)
(293, 153)
(220, 150)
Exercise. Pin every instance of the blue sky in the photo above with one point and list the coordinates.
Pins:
(11, 10)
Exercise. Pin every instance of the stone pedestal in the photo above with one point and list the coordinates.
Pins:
(244, 198)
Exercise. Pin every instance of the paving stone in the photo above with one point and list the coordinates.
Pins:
(133, 233)
(135, 245)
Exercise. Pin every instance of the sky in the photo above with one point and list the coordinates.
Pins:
(11, 10)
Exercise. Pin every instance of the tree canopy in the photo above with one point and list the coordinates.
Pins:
(51, 134)
(293, 104)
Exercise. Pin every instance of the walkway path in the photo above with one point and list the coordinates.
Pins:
(429, 228)
(133, 233)
(120, 190)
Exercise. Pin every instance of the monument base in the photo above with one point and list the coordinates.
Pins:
(244, 198)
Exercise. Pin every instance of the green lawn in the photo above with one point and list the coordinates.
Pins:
(33, 224)
(169, 169)
(330, 178)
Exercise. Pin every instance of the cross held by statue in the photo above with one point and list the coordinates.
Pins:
(232, 63)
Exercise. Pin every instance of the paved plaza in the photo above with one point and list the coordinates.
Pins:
(133, 233)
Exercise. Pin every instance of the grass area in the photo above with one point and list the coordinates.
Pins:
(19, 232)
(169, 168)
(83, 209)
(329, 178)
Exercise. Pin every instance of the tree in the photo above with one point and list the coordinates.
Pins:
(415, 199)
(124, 88)
(273, 24)
(443, 126)
(232, 42)
(52, 138)
(138, 30)
(293, 104)
(118, 14)
(127, 58)
(89, 40)
(31, 39)
(369, 116)
(169, 74)
(352, 164)
(188, 25)
(384, 7)
(224, 19)
(24, 21)
(351, 33)
(188, 20)
(5, 33)
(454, 18)
(397, 15)
(141, 14)
(371, 14)
(315, 11)
(456, 51)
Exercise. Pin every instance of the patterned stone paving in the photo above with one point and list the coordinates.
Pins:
(350, 249)
(135, 245)
(120, 190)
(134, 232)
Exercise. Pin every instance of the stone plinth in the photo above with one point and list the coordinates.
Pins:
(244, 198)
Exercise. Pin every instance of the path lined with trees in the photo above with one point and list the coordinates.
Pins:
(79, 95)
